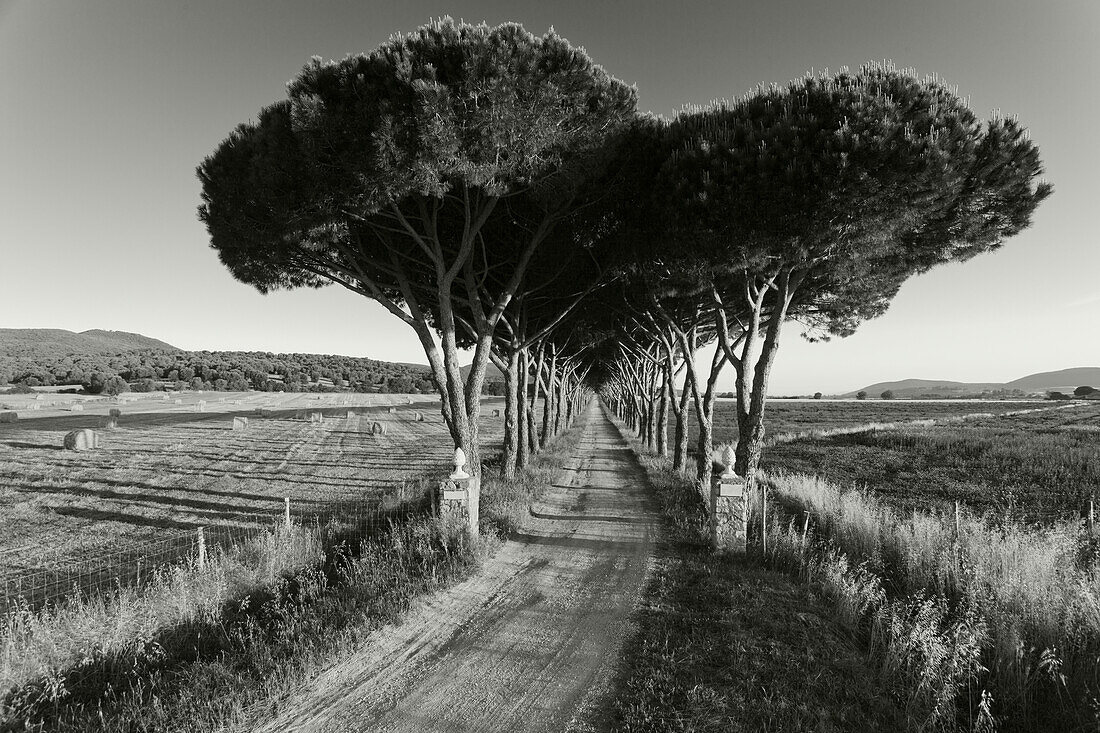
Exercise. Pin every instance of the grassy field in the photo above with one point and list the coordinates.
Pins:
(1037, 466)
(786, 418)
(168, 468)
(980, 625)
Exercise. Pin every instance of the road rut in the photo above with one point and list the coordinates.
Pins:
(531, 642)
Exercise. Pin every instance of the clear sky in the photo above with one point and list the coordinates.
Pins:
(107, 107)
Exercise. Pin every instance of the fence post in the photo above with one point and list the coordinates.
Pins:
(764, 519)
(1092, 519)
(286, 511)
(202, 548)
(805, 528)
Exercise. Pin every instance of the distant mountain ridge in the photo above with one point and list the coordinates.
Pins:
(1062, 380)
(57, 341)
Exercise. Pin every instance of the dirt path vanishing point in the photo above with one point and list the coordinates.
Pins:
(531, 642)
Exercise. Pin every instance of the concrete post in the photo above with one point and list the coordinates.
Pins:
(729, 509)
(459, 494)
(202, 549)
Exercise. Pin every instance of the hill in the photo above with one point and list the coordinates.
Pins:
(1064, 380)
(52, 357)
(492, 374)
(30, 342)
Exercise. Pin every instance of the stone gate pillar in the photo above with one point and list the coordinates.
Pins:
(459, 494)
(729, 509)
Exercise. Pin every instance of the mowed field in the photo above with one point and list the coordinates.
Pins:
(167, 467)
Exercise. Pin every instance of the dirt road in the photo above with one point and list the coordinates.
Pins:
(531, 642)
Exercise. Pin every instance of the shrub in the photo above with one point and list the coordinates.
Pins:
(888, 394)
(115, 385)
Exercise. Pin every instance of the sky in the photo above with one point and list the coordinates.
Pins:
(107, 107)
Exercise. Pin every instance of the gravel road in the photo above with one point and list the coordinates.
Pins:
(531, 642)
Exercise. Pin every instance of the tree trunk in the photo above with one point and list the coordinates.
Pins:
(662, 416)
(680, 410)
(523, 453)
(750, 426)
(559, 408)
(548, 399)
(511, 415)
(705, 446)
(532, 433)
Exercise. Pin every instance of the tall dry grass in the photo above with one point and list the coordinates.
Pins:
(43, 644)
(1027, 600)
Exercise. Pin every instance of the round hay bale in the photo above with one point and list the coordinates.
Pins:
(240, 423)
(110, 423)
(178, 402)
(419, 417)
(496, 413)
(378, 429)
(317, 417)
(350, 415)
(393, 410)
(76, 408)
(9, 416)
(114, 412)
(81, 440)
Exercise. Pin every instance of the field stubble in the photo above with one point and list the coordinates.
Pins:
(168, 470)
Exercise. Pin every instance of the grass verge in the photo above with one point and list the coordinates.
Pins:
(995, 628)
(217, 649)
(724, 644)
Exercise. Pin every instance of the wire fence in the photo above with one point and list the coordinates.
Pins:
(72, 576)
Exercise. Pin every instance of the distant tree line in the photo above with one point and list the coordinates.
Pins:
(146, 371)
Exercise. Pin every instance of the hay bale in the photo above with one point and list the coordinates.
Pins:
(410, 399)
(240, 423)
(80, 440)
(110, 423)
(496, 413)
(76, 407)
(419, 416)
(317, 417)
(200, 406)
(351, 414)
(9, 416)
(114, 412)
(393, 410)
(36, 406)
(377, 429)
(179, 402)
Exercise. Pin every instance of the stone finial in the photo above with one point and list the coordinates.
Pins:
(729, 458)
(460, 465)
